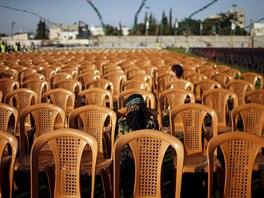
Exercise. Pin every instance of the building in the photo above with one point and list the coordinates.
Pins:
(239, 17)
(257, 29)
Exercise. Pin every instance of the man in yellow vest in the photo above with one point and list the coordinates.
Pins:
(3, 47)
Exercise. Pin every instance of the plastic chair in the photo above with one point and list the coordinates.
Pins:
(101, 83)
(203, 85)
(118, 79)
(135, 84)
(222, 101)
(6, 139)
(61, 97)
(255, 96)
(96, 96)
(180, 84)
(235, 73)
(253, 77)
(1, 95)
(144, 77)
(239, 150)
(56, 78)
(22, 99)
(38, 85)
(100, 122)
(223, 78)
(240, 87)
(72, 85)
(67, 146)
(7, 85)
(194, 116)
(148, 148)
(169, 99)
(47, 72)
(34, 76)
(6, 113)
(86, 77)
(149, 97)
(44, 117)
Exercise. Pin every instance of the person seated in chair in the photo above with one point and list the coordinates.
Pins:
(136, 116)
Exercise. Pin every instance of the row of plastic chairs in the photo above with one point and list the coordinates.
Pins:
(147, 145)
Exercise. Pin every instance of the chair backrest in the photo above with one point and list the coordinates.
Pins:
(7, 85)
(193, 116)
(101, 83)
(72, 85)
(45, 116)
(97, 96)
(67, 146)
(252, 118)
(203, 85)
(61, 97)
(7, 138)
(56, 78)
(38, 85)
(223, 78)
(148, 148)
(235, 73)
(255, 96)
(253, 77)
(136, 84)
(21, 98)
(171, 98)
(239, 150)
(180, 84)
(221, 100)
(95, 120)
(148, 96)
(6, 111)
(240, 87)
(86, 77)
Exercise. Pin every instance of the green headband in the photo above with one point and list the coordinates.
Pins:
(135, 100)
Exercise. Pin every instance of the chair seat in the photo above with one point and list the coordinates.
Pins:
(101, 164)
(23, 162)
(198, 163)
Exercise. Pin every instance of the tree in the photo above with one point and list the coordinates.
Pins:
(41, 30)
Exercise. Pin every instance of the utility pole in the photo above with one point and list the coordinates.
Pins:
(12, 30)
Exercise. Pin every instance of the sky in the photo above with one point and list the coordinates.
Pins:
(113, 12)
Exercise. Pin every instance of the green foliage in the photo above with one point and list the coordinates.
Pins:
(41, 31)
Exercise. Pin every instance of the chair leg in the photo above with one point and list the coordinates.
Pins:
(106, 177)
(51, 180)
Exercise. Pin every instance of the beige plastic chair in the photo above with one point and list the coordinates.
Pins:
(239, 150)
(61, 97)
(240, 87)
(6, 113)
(44, 117)
(47, 72)
(67, 146)
(6, 138)
(96, 96)
(38, 85)
(86, 77)
(222, 68)
(25, 72)
(22, 99)
(100, 122)
(235, 73)
(222, 101)
(149, 97)
(255, 96)
(148, 148)
(1, 95)
(72, 85)
(101, 83)
(7, 85)
(253, 77)
(169, 99)
(58, 77)
(162, 80)
(223, 78)
(180, 84)
(118, 79)
(195, 77)
(34, 76)
(194, 116)
(136, 84)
